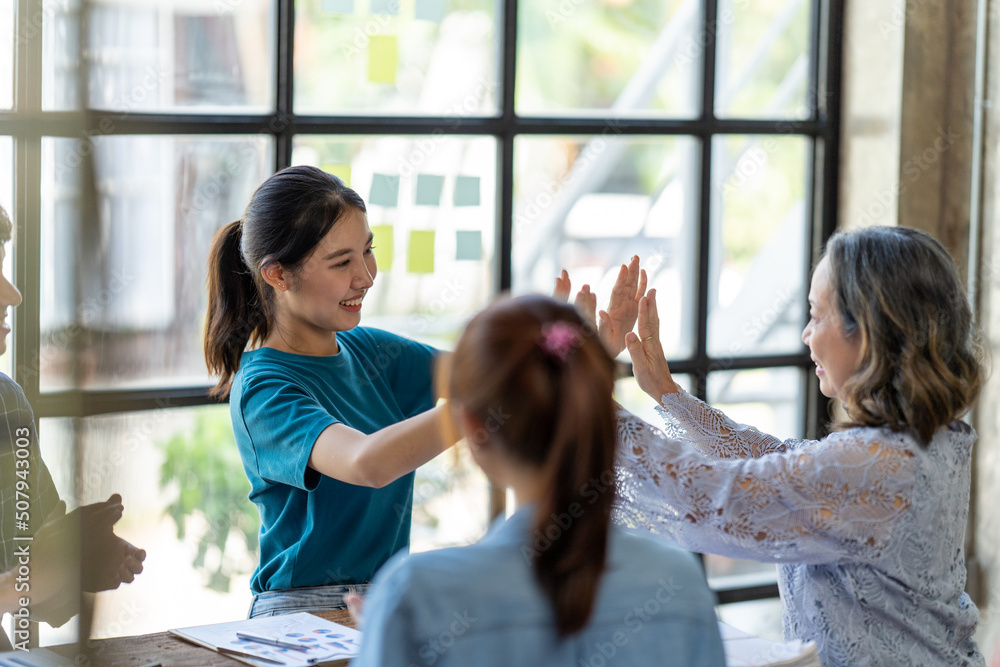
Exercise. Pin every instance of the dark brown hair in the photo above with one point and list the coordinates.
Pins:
(554, 415)
(286, 218)
(921, 362)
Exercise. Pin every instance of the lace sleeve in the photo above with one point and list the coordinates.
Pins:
(714, 434)
(834, 500)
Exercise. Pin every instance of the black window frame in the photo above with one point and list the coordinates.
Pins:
(27, 123)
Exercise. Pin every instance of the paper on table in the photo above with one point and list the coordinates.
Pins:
(746, 650)
(321, 640)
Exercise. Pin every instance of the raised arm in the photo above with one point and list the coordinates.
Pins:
(686, 417)
(382, 457)
(834, 501)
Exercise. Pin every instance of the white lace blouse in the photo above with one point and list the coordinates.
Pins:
(868, 525)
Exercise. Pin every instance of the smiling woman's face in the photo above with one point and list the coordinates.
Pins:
(331, 284)
(835, 354)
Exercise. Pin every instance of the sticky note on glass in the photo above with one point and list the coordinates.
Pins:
(430, 10)
(467, 191)
(469, 245)
(337, 6)
(385, 190)
(420, 255)
(429, 189)
(382, 58)
(382, 244)
(341, 171)
(385, 7)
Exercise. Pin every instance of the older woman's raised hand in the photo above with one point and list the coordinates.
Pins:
(623, 309)
(649, 363)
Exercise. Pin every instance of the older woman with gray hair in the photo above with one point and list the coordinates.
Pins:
(867, 524)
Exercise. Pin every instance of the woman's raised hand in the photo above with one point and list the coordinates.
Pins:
(649, 364)
(620, 316)
(585, 302)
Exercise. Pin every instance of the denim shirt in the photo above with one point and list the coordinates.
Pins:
(480, 605)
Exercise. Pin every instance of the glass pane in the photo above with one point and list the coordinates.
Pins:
(762, 62)
(391, 57)
(149, 55)
(7, 202)
(431, 205)
(185, 495)
(7, 55)
(759, 248)
(771, 400)
(59, 454)
(450, 502)
(123, 289)
(61, 55)
(588, 204)
(588, 56)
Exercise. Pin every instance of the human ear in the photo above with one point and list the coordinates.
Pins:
(275, 275)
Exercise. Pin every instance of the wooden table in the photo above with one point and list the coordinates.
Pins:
(165, 649)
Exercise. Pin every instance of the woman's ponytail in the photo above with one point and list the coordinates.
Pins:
(537, 354)
(236, 312)
(580, 488)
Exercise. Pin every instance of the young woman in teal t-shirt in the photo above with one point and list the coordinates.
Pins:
(330, 418)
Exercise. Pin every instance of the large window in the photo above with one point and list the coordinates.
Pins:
(495, 142)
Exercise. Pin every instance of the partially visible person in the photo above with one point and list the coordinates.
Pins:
(530, 388)
(66, 552)
(868, 523)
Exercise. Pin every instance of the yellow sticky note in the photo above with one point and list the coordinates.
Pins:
(420, 255)
(341, 171)
(382, 58)
(382, 245)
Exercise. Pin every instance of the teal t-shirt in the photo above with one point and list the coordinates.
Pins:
(316, 530)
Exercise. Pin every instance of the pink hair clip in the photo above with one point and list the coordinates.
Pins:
(559, 338)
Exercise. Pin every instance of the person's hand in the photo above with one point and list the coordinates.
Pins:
(78, 551)
(354, 604)
(107, 560)
(623, 309)
(585, 302)
(649, 364)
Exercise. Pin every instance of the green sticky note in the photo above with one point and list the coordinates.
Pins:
(430, 10)
(382, 58)
(429, 189)
(420, 255)
(341, 171)
(467, 191)
(337, 6)
(468, 245)
(385, 190)
(385, 7)
(382, 245)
